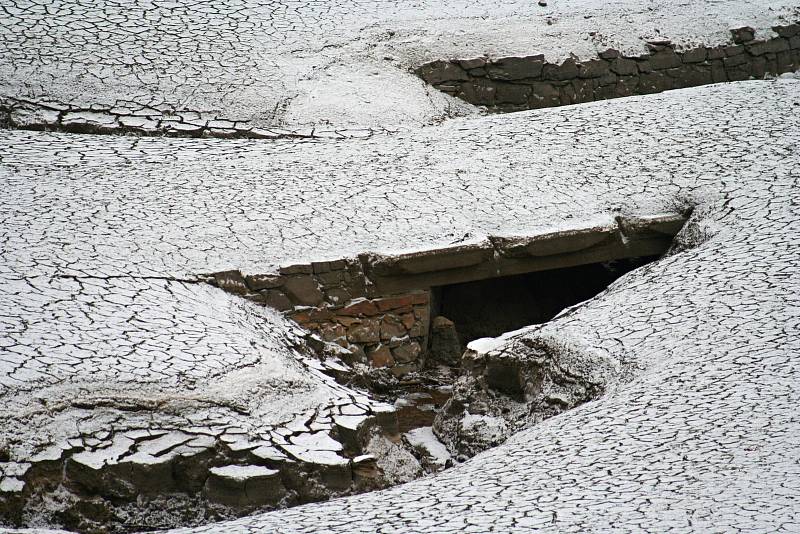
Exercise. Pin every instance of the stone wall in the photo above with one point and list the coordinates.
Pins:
(378, 307)
(518, 83)
(333, 300)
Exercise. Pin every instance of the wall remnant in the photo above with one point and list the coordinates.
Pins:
(379, 307)
(529, 82)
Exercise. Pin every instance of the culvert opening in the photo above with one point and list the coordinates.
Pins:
(491, 307)
(380, 323)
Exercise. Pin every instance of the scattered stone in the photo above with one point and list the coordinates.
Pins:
(743, 35)
(303, 290)
(445, 345)
(381, 356)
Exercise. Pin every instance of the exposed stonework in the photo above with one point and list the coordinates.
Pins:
(378, 307)
(503, 391)
(445, 345)
(384, 332)
(529, 82)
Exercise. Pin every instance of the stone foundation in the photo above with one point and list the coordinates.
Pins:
(331, 299)
(519, 83)
(378, 307)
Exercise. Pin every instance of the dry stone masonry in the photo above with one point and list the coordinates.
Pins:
(529, 82)
(379, 307)
(333, 299)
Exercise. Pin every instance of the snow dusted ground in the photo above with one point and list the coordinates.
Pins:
(110, 343)
(701, 434)
(103, 236)
(330, 65)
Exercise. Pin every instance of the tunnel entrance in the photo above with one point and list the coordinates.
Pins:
(488, 308)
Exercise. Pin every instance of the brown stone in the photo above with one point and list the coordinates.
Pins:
(366, 331)
(303, 290)
(319, 267)
(320, 314)
(509, 93)
(627, 85)
(664, 59)
(695, 55)
(393, 303)
(786, 63)
(445, 345)
(735, 61)
(337, 295)
(584, 91)
(407, 352)
(296, 269)
(567, 95)
(420, 298)
(607, 79)
(402, 370)
(690, 75)
(276, 299)
(330, 279)
(566, 71)
(731, 51)
(544, 95)
(258, 298)
(359, 308)
(594, 68)
(333, 332)
(232, 282)
(408, 320)
(301, 317)
(441, 71)
(773, 46)
(737, 74)
(392, 327)
(758, 66)
(743, 34)
(787, 31)
(422, 313)
(604, 92)
(718, 73)
(716, 53)
(654, 82)
(474, 63)
(609, 54)
(624, 67)
(479, 92)
(347, 321)
(380, 356)
(516, 68)
(257, 282)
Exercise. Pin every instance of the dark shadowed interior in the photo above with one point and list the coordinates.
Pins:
(488, 308)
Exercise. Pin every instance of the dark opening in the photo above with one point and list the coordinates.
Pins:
(488, 308)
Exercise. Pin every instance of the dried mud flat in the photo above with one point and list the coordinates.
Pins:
(210, 334)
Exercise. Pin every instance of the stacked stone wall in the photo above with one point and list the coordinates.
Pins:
(518, 83)
(332, 299)
(378, 307)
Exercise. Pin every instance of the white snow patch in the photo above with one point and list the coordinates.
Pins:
(425, 440)
(243, 472)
